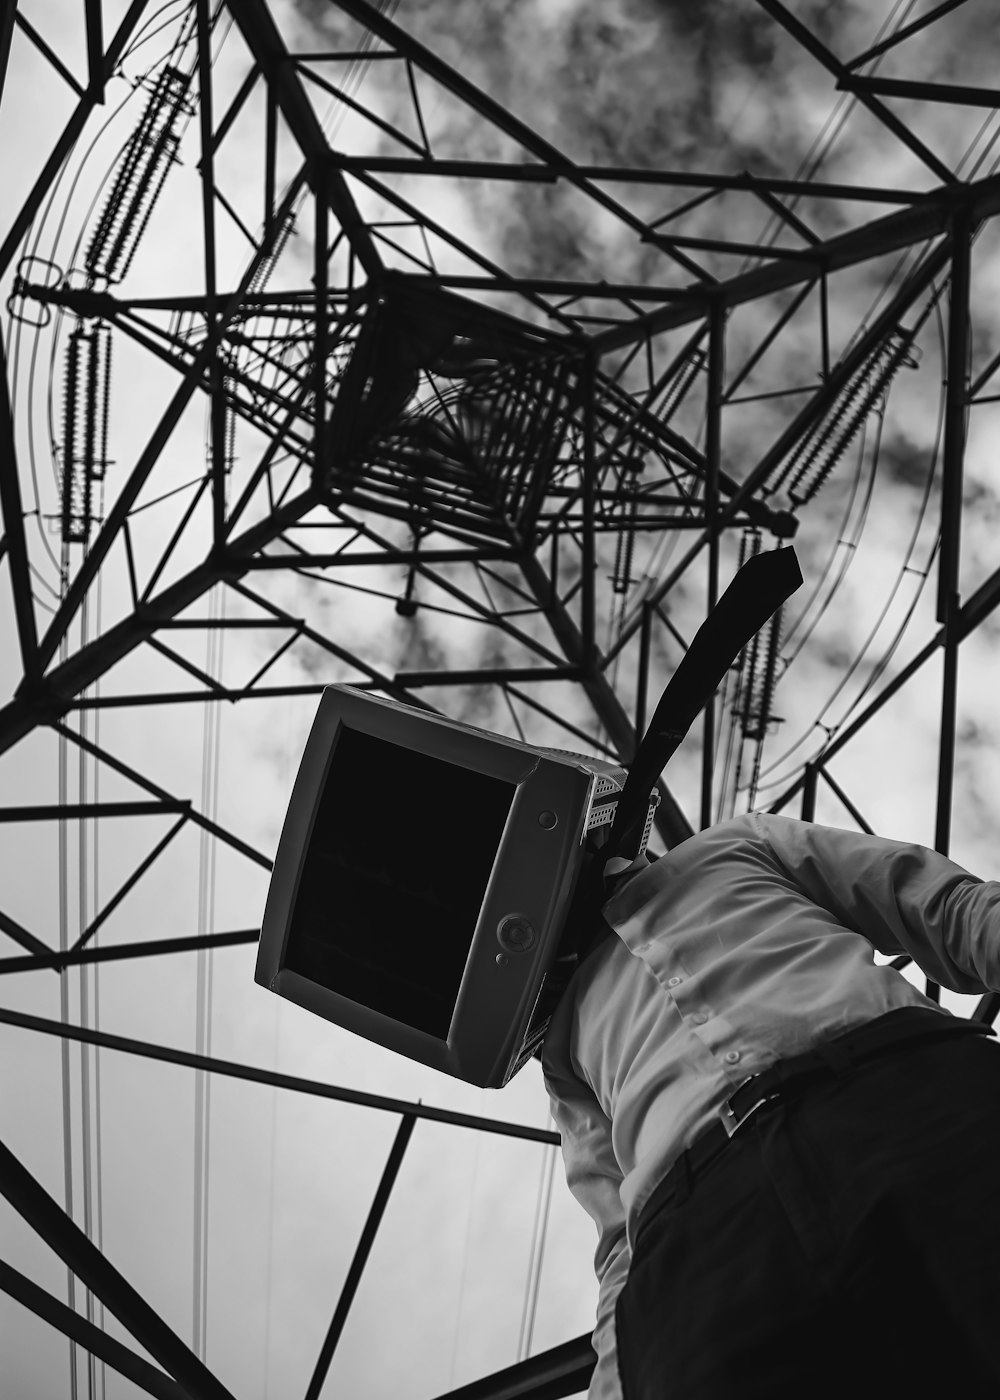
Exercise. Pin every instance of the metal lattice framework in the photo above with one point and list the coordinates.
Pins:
(323, 364)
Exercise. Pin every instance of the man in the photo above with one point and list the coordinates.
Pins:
(833, 1227)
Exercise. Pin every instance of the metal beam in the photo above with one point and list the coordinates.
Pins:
(537, 172)
(361, 1254)
(808, 41)
(357, 559)
(264, 41)
(190, 813)
(95, 48)
(905, 228)
(21, 935)
(949, 598)
(973, 612)
(501, 280)
(915, 285)
(112, 904)
(321, 344)
(588, 492)
(493, 675)
(53, 697)
(125, 500)
(382, 682)
(49, 54)
(119, 512)
(33, 1203)
(8, 14)
(73, 810)
(98, 1343)
(845, 801)
(713, 456)
(190, 697)
(68, 138)
(671, 821)
(551, 1375)
(921, 91)
(13, 519)
(114, 952)
(253, 1075)
(206, 167)
(376, 21)
(899, 36)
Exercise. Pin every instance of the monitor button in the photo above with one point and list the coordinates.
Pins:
(516, 933)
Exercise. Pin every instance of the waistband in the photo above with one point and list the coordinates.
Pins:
(793, 1075)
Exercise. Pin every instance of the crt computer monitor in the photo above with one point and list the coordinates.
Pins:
(422, 881)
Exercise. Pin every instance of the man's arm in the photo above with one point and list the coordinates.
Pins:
(902, 897)
(594, 1177)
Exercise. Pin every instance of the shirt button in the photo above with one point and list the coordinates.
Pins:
(700, 1017)
(675, 982)
(732, 1056)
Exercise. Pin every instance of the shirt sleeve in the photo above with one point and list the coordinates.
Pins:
(903, 898)
(594, 1177)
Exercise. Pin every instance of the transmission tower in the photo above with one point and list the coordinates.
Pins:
(424, 353)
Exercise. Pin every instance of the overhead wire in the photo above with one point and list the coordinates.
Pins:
(64, 1016)
(138, 42)
(86, 1125)
(811, 162)
(244, 355)
(272, 1161)
(905, 568)
(850, 546)
(204, 1004)
(846, 548)
(836, 121)
(466, 1251)
(38, 513)
(536, 1257)
(88, 993)
(885, 660)
(819, 152)
(95, 785)
(30, 252)
(88, 783)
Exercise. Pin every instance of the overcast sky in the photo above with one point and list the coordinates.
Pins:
(290, 1178)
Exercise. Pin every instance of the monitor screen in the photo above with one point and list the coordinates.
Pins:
(392, 883)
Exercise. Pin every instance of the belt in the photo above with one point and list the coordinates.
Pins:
(839, 1055)
(790, 1077)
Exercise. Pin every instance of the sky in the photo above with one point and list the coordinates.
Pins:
(290, 1178)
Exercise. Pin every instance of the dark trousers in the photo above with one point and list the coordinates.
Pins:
(843, 1243)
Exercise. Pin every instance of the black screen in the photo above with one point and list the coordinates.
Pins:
(392, 882)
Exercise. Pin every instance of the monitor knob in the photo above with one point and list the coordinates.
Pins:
(516, 934)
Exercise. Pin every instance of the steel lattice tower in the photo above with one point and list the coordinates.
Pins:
(323, 364)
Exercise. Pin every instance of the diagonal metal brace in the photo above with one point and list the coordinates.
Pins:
(58, 1230)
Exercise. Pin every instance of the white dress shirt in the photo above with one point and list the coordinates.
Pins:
(748, 943)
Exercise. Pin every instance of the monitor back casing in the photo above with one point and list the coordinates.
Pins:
(350, 931)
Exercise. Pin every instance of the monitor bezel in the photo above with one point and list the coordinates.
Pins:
(533, 874)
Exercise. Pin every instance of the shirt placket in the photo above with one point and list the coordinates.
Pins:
(696, 1014)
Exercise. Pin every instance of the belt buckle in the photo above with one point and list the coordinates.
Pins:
(727, 1113)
